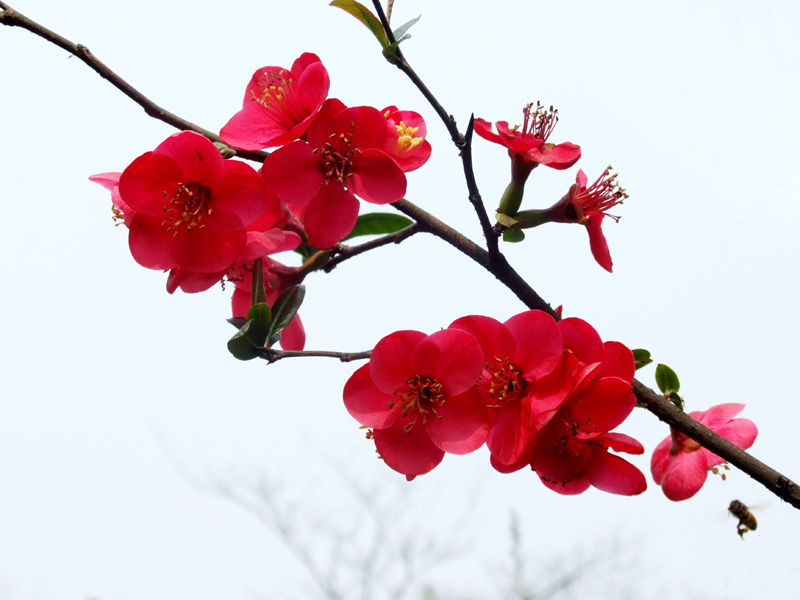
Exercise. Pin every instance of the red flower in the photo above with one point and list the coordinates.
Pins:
(406, 142)
(191, 206)
(279, 105)
(519, 355)
(588, 206)
(342, 158)
(680, 465)
(571, 453)
(418, 395)
(529, 145)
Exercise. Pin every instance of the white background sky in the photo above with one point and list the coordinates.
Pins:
(112, 390)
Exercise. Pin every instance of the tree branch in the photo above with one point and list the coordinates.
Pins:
(12, 18)
(272, 356)
(779, 484)
(463, 143)
(343, 252)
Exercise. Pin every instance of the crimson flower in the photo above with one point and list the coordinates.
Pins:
(341, 158)
(406, 142)
(529, 144)
(418, 395)
(190, 206)
(519, 355)
(588, 206)
(279, 105)
(680, 465)
(571, 453)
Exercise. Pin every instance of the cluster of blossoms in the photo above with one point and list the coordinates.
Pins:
(528, 148)
(206, 219)
(539, 393)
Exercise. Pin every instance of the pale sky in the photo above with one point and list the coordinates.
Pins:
(122, 407)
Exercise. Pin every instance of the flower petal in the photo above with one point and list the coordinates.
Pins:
(615, 475)
(366, 403)
(390, 364)
(452, 357)
(461, 424)
(411, 453)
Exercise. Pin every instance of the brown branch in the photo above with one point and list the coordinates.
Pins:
(343, 252)
(272, 356)
(778, 484)
(462, 142)
(497, 266)
(12, 18)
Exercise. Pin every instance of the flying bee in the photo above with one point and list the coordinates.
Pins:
(747, 522)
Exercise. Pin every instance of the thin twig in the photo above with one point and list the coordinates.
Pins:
(344, 252)
(475, 195)
(463, 142)
(272, 356)
(12, 18)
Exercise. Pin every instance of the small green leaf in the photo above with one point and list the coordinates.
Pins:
(285, 308)
(513, 235)
(245, 343)
(379, 224)
(400, 32)
(641, 358)
(667, 380)
(260, 312)
(363, 14)
(258, 292)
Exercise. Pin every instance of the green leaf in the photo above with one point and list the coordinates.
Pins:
(513, 235)
(260, 312)
(378, 224)
(285, 308)
(245, 343)
(641, 358)
(258, 291)
(667, 380)
(363, 14)
(400, 32)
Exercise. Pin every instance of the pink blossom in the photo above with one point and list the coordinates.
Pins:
(341, 158)
(588, 206)
(680, 465)
(279, 105)
(418, 395)
(528, 144)
(406, 142)
(191, 207)
(519, 357)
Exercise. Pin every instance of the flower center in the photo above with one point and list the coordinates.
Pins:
(187, 209)
(424, 395)
(501, 382)
(538, 123)
(277, 98)
(337, 156)
(603, 194)
(406, 140)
